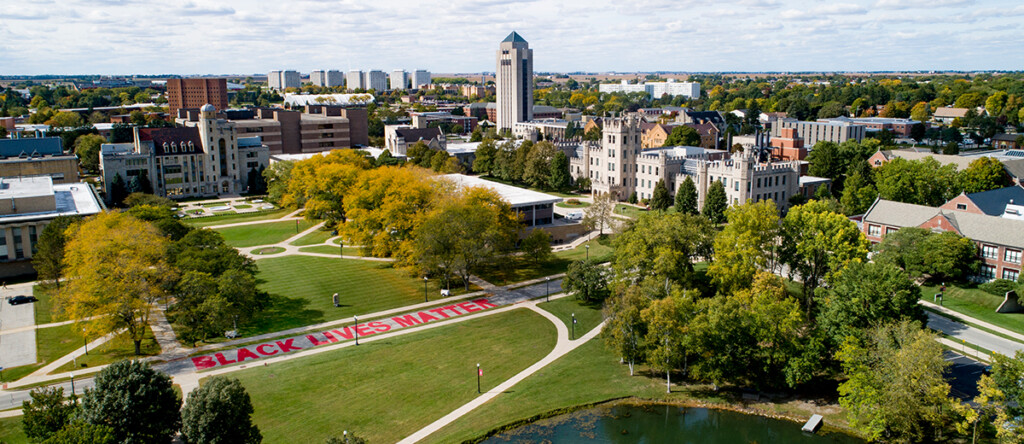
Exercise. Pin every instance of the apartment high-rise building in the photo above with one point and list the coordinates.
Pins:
(420, 77)
(399, 79)
(376, 80)
(194, 93)
(279, 80)
(327, 78)
(354, 80)
(514, 75)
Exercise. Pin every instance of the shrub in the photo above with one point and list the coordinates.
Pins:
(998, 287)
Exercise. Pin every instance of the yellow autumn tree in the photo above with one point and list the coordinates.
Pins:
(116, 272)
(320, 183)
(385, 205)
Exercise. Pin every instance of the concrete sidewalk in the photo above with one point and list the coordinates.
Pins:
(955, 314)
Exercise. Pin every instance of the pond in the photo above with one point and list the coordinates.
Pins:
(633, 423)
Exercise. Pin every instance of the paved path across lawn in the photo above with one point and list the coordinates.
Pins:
(973, 335)
(957, 315)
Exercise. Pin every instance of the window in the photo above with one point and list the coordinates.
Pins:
(3, 244)
(1012, 256)
(1010, 274)
(874, 230)
(989, 252)
(961, 206)
(987, 272)
(759, 182)
(891, 230)
(19, 251)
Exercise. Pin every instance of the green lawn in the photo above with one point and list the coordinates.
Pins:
(327, 249)
(315, 238)
(116, 349)
(587, 315)
(268, 250)
(388, 389)
(629, 210)
(569, 205)
(971, 301)
(301, 287)
(11, 431)
(43, 307)
(592, 374)
(231, 218)
(263, 234)
(520, 268)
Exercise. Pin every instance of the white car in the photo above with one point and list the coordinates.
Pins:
(574, 215)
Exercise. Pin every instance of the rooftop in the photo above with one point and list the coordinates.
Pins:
(70, 198)
(514, 37)
(31, 147)
(993, 202)
(515, 196)
(978, 227)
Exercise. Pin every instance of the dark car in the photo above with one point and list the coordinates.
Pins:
(21, 300)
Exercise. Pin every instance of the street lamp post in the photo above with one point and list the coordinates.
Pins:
(341, 248)
(547, 292)
(356, 328)
(72, 383)
(425, 289)
(588, 252)
(574, 326)
(478, 374)
(85, 340)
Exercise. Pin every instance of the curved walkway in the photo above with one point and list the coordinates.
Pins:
(563, 346)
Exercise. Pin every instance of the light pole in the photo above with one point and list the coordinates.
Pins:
(588, 252)
(356, 328)
(479, 373)
(72, 383)
(85, 340)
(573, 326)
(425, 289)
(547, 292)
(341, 248)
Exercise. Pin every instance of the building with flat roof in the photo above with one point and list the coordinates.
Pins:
(399, 79)
(998, 238)
(654, 89)
(281, 80)
(328, 78)
(354, 80)
(376, 80)
(550, 129)
(317, 128)
(420, 79)
(814, 132)
(194, 93)
(899, 127)
(514, 79)
(534, 208)
(27, 205)
(39, 156)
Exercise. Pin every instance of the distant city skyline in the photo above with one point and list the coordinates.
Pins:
(234, 37)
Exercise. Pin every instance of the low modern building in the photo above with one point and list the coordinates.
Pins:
(437, 118)
(204, 158)
(882, 156)
(899, 127)
(27, 205)
(550, 129)
(40, 156)
(814, 132)
(999, 239)
(534, 208)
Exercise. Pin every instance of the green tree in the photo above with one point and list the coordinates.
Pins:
(925, 182)
(139, 403)
(219, 411)
(921, 112)
(660, 246)
(826, 161)
(746, 245)
(66, 119)
(625, 328)
(921, 253)
(559, 172)
(277, 178)
(983, 174)
(49, 257)
(666, 331)
(46, 413)
(686, 197)
(661, 199)
(587, 281)
(1007, 391)
(80, 432)
(87, 148)
(118, 190)
(346, 438)
(483, 163)
(951, 149)
(895, 388)
(858, 194)
(599, 214)
(817, 243)
(715, 203)
(683, 135)
(537, 246)
(866, 295)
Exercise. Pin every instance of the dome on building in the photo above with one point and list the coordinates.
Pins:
(208, 107)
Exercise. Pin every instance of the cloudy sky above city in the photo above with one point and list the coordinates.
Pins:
(444, 36)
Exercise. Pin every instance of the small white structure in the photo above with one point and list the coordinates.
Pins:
(813, 424)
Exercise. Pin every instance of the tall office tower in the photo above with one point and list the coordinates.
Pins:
(420, 77)
(318, 78)
(334, 78)
(290, 79)
(399, 79)
(354, 79)
(274, 80)
(376, 80)
(514, 75)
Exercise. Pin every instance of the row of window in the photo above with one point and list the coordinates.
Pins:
(768, 181)
(18, 242)
(989, 272)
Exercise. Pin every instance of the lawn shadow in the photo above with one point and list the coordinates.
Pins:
(283, 313)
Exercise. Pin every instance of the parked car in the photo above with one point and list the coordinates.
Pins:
(16, 300)
(574, 215)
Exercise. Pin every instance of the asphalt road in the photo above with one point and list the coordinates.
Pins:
(963, 375)
(973, 336)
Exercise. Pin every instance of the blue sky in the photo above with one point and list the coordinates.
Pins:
(255, 36)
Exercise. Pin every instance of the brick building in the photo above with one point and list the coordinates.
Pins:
(194, 93)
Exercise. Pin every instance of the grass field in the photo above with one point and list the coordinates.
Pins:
(44, 306)
(315, 238)
(975, 303)
(587, 315)
(268, 250)
(629, 210)
(236, 217)
(388, 389)
(116, 349)
(327, 249)
(11, 431)
(569, 205)
(263, 234)
(300, 288)
(520, 268)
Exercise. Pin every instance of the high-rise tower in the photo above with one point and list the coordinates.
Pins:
(514, 78)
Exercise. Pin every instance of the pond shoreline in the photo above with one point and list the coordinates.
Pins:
(647, 402)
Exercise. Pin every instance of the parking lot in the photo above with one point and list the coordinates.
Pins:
(17, 348)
